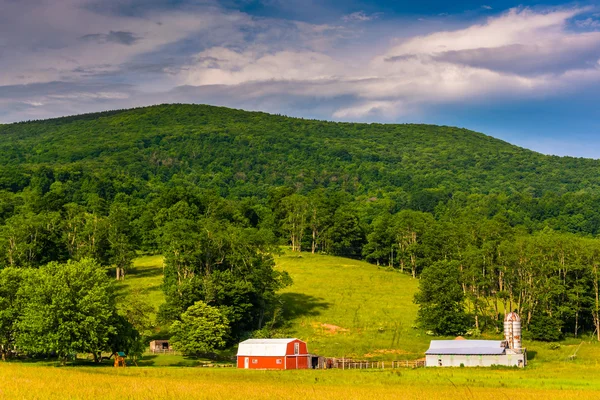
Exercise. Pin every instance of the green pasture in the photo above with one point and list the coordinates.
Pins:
(349, 308)
(346, 308)
(145, 278)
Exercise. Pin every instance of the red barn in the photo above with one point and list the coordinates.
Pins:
(273, 354)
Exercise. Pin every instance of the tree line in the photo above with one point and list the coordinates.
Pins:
(219, 251)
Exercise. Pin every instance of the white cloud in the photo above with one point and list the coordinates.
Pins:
(380, 109)
(221, 66)
(515, 26)
(359, 16)
(34, 103)
(520, 53)
(588, 23)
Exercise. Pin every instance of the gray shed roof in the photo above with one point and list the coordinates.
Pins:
(466, 347)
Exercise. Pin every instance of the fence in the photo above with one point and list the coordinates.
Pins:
(164, 351)
(353, 364)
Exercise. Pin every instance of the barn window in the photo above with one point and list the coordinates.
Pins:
(254, 361)
(278, 361)
(296, 348)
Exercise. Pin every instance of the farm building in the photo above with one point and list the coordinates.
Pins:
(160, 346)
(274, 354)
(472, 353)
(480, 353)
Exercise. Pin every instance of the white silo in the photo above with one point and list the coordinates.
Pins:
(512, 330)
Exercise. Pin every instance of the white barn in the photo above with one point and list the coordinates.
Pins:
(473, 353)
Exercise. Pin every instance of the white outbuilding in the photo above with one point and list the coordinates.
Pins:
(473, 353)
(481, 353)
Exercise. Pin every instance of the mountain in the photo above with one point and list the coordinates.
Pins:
(243, 154)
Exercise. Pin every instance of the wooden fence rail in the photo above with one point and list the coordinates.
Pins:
(352, 364)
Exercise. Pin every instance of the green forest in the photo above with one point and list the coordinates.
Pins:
(486, 226)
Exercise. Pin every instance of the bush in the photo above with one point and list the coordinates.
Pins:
(545, 328)
(202, 329)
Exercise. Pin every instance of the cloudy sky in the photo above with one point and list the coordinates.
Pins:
(527, 72)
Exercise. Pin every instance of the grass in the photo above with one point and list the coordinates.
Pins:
(346, 308)
(35, 382)
(350, 308)
(341, 308)
(145, 277)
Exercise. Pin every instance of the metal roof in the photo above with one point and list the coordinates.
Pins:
(466, 347)
(264, 347)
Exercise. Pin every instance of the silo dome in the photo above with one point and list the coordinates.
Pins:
(512, 317)
(512, 330)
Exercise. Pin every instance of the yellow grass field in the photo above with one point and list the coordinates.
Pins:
(22, 381)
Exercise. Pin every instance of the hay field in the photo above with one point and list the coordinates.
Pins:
(23, 381)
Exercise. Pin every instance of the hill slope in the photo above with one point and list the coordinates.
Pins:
(349, 308)
(244, 153)
(342, 307)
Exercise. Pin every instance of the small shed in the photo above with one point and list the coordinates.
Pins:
(472, 353)
(273, 354)
(160, 346)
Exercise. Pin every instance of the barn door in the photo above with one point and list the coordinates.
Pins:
(246, 362)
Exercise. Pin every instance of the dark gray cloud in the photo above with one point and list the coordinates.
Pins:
(281, 97)
(53, 99)
(120, 37)
(404, 57)
(524, 59)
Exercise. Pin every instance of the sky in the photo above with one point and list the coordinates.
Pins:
(524, 72)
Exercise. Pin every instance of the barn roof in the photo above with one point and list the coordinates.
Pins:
(466, 347)
(264, 347)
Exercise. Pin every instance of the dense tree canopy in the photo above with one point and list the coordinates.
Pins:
(441, 300)
(69, 309)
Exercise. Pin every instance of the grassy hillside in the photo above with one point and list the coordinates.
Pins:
(342, 307)
(145, 278)
(349, 308)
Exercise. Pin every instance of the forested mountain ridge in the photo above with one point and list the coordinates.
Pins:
(243, 153)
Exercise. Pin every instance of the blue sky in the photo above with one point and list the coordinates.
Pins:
(525, 72)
